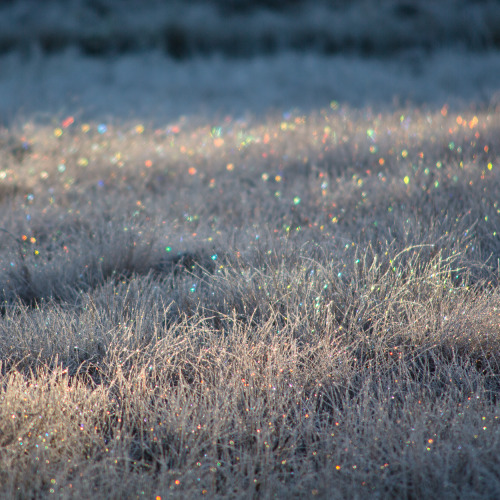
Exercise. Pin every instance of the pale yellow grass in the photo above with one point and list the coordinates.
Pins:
(303, 307)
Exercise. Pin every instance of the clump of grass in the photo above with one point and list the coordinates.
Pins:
(306, 307)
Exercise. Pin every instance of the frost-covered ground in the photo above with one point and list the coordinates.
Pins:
(303, 304)
(155, 61)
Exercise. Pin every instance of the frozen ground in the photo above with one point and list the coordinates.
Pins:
(155, 61)
(152, 87)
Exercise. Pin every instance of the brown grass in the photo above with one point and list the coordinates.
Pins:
(303, 307)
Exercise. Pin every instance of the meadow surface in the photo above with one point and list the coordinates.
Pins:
(290, 307)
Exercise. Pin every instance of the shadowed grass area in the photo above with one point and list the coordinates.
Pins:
(303, 307)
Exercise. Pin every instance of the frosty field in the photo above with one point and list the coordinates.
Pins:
(302, 305)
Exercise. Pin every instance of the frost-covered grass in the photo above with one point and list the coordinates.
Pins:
(164, 59)
(242, 28)
(304, 306)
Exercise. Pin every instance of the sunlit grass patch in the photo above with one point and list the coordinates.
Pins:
(308, 304)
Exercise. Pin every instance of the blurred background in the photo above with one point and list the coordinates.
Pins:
(157, 60)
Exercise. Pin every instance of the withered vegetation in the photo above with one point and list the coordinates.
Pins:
(305, 306)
